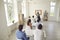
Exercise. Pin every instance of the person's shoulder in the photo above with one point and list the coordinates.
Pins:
(38, 30)
(23, 33)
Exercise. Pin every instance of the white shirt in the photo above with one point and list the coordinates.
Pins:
(36, 18)
(28, 27)
(39, 34)
(33, 20)
(28, 31)
(36, 24)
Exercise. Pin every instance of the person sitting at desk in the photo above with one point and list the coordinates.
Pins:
(39, 33)
(20, 34)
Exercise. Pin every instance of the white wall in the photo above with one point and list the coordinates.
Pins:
(58, 10)
(32, 5)
(11, 28)
(43, 5)
(27, 8)
(4, 29)
(3, 24)
(38, 5)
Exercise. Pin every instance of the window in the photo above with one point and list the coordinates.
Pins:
(11, 14)
(52, 8)
(24, 8)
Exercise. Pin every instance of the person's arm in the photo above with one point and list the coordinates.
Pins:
(25, 37)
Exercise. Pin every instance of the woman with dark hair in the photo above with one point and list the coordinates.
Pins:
(28, 28)
(29, 23)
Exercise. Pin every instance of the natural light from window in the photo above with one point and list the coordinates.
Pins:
(24, 8)
(11, 11)
(52, 8)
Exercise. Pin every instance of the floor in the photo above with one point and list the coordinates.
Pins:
(52, 31)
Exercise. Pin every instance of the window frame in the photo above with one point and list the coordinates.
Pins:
(7, 13)
(52, 8)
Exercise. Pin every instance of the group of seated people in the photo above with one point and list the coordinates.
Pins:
(38, 33)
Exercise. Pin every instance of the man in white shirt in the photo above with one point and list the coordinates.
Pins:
(36, 24)
(39, 33)
(33, 19)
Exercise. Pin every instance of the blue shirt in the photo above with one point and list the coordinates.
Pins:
(21, 35)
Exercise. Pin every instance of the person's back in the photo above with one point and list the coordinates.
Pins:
(38, 33)
(37, 23)
(20, 34)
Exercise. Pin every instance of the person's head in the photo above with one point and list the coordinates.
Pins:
(38, 20)
(29, 23)
(40, 26)
(29, 17)
(33, 16)
(20, 27)
(38, 13)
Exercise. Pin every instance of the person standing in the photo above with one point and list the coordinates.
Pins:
(38, 16)
(33, 19)
(28, 29)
